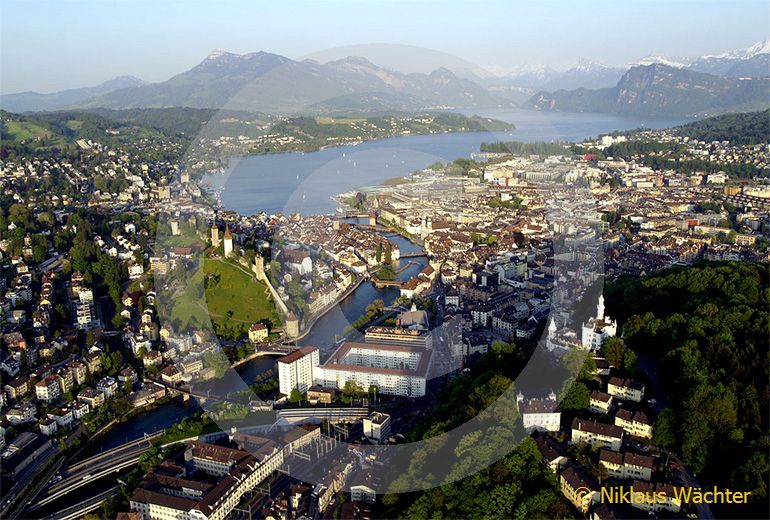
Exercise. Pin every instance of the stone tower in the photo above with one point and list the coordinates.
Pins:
(214, 235)
(228, 242)
(292, 325)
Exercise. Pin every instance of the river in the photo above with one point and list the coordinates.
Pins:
(335, 321)
(305, 182)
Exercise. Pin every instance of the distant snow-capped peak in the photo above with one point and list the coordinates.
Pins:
(589, 66)
(758, 48)
(663, 60)
(216, 53)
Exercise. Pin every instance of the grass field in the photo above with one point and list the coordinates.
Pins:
(24, 131)
(234, 299)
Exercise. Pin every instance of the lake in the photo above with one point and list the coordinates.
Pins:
(305, 182)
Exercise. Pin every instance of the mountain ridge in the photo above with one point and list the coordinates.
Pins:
(35, 101)
(272, 83)
(660, 90)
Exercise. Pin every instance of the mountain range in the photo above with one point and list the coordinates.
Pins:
(659, 90)
(271, 83)
(34, 101)
(274, 84)
(753, 62)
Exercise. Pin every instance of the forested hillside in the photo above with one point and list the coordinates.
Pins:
(708, 327)
(747, 128)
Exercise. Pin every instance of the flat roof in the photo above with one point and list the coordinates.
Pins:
(396, 331)
(297, 354)
(333, 363)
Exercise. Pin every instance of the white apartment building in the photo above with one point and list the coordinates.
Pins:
(298, 370)
(48, 389)
(635, 424)
(597, 434)
(626, 465)
(600, 402)
(626, 389)
(85, 312)
(393, 369)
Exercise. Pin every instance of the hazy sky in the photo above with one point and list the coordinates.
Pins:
(51, 45)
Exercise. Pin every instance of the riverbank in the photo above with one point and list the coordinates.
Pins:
(252, 357)
(350, 290)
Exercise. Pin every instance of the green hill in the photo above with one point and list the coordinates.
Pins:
(740, 129)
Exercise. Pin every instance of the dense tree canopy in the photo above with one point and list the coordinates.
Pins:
(708, 327)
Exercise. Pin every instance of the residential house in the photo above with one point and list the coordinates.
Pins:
(579, 488)
(48, 389)
(636, 424)
(626, 465)
(597, 434)
(554, 455)
(625, 389)
(258, 333)
(600, 402)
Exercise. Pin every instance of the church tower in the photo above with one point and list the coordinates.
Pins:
(600, 307)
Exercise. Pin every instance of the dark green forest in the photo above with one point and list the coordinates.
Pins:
(740, 129)
(516, 486)
(708, 327)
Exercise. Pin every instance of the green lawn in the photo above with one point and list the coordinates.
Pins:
(24, 131)
(234, 299)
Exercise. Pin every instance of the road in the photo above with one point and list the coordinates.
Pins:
(704, 511)
(86, 506)
(81, 473)
(20, 486)
(648, 365)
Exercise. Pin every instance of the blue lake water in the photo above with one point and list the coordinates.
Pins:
(305, 182)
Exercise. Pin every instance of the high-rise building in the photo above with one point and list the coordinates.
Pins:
(297, 370)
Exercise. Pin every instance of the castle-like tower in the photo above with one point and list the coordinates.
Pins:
(228, 243)
(214, 235)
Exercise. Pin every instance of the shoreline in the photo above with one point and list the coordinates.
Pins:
(504, 126)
